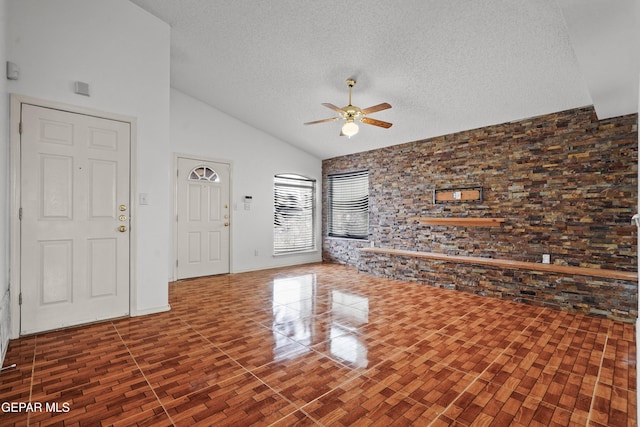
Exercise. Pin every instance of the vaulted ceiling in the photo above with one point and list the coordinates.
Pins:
(444, 66)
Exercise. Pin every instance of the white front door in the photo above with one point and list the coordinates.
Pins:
(203, 218)
(74, 178)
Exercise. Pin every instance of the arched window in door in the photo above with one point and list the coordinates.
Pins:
(203, 173)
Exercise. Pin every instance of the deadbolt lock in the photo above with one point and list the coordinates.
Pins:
(123, 208)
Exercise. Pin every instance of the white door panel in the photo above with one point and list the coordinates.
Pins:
(215, 242)
(203, 218)
(55, 258)
(215, 202)
(57, 187)
(102, 267)
(74, 258)
(103, 178)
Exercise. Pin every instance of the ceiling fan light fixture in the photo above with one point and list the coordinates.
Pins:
(350, 114)
(350, 128)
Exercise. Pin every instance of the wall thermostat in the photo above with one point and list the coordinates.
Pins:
(247, 202)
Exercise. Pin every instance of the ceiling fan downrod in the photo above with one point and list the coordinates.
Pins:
(351, 83)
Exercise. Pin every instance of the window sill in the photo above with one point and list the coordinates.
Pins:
(347, 238)
(310, 251)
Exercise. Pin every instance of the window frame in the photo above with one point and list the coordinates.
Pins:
(358, 230)
(291, 186)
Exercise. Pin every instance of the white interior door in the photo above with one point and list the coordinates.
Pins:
(203, 218)
(75, 179)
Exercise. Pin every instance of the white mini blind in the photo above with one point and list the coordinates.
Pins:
(348, 200)
(294, 213)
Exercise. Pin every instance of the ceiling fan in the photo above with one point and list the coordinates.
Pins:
(350, 114)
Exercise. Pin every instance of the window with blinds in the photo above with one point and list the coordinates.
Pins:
(294, 213)
(348, 200)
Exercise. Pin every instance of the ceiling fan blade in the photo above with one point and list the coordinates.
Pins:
(375, 122)
(333, 107)
(333, 119)
(379, 107)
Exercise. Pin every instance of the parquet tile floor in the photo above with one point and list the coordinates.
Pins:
(321, 344)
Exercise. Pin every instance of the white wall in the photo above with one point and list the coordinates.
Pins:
(4, 187)
(200, 130)
(122, 52)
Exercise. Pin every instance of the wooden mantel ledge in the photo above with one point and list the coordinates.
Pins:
(465, 221)
(506, 263)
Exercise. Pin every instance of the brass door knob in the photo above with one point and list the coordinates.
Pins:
(122, 228)
(226, 224)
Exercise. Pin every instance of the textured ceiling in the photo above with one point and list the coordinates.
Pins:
(444, 66)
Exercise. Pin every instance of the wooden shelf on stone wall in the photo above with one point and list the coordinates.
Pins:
(511, 264)
(465, 222)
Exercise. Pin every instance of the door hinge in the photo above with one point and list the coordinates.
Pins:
(176, 263)
(20, 299)
(20, 214)
(20, 128)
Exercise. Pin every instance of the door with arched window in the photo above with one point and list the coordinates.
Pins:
(203, 218)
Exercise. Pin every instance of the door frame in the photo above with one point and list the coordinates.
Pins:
(174, 221)
(15, 196)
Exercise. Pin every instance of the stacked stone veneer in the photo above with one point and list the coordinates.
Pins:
(565, 182)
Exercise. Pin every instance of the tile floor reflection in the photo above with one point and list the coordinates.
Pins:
(321, 344)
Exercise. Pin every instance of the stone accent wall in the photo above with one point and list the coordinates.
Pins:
(565, 182)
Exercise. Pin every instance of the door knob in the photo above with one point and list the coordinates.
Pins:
(122, 217)
(123, 208)
(122, 228)
(226, 224)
